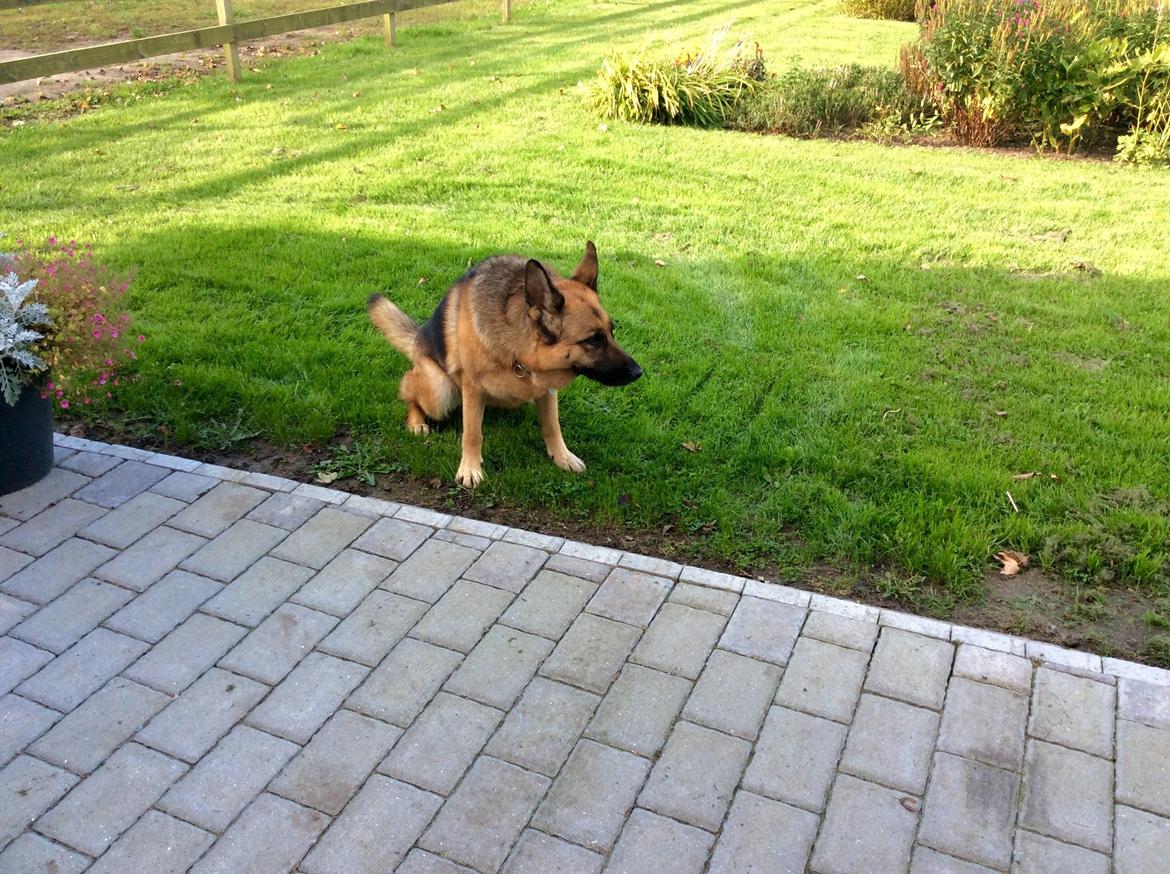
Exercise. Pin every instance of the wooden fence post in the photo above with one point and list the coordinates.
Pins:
(390, 29)
(507, 11)
(224, 8)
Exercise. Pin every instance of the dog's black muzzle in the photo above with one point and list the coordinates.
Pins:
(623, 373)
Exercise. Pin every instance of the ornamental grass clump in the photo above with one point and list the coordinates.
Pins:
(700, 88)
(89, 343)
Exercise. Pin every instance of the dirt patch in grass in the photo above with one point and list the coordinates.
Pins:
(1112, 622)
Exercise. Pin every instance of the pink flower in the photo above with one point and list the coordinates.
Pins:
(97, 335)
(64, 404)
(141, 338)
(49, 386)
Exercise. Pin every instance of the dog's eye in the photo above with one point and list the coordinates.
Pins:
(596, 340)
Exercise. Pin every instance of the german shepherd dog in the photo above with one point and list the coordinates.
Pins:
(509, 331)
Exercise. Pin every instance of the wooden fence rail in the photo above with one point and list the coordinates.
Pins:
(227, 33)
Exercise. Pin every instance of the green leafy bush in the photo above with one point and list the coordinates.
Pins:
(891, 10)
(1063, 73)
(830, 101)
(700, 88)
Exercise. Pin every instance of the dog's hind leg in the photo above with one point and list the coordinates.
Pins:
(429, 393)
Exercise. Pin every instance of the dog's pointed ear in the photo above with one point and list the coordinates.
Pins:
(586, 272)
(539, 290)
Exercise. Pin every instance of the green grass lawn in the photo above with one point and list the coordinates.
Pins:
(866, 342)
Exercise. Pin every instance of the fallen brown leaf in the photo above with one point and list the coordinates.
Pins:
(659, 262)
(911, 804)
(1013, 562)
(692, 447)
(1024, 476)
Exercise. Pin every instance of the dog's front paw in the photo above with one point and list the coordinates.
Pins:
(420, 429)
(469, 475)
(568, 461)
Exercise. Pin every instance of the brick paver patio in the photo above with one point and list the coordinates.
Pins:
(218, 671)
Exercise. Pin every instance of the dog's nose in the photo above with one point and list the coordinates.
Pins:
(635, 370)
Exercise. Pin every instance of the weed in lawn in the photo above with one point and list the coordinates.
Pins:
(1158, 649)
(1154, 619)
(363, 460)
(223, 434)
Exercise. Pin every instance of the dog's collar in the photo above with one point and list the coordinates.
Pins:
(520, 370)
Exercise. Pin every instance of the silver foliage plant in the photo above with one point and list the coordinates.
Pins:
(19, 334)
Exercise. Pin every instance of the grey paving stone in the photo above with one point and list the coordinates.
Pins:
(763, 629)
(1037, 854)
(572, 566)
(184, 486)
(86, 736)
(373, 629)
(650, 564)
(999, 668)
(549, 604)
(423, 516)
(440, 746)
(120, 484)
(51, 527)
(28, 787)
(588, 802)
(970, 811)
(12, 561)
(111, 799)
(478, 527)
(629, 596)
(82, 669)
(307, 697)
(336, 761)
(507, 566)
(268, 838)
(375, 830)
(733, 694)
(422, 862)
(156, 843)
(404, 682)
(226, 780)
(928, 861)
(910, 667)
(679, 640)
(258, 591)
(841, 630)
(182, 656)
(764, 835)
(866, 829)
(696, 776)
(1143, 767)
(542, 728)
(63, 622)
(26, 503)
(430, 570)
(278, 643)
(375, 508)
(342, 584)
(890, 743)
(154, 613)
(32, 853)
(649, 839)
(54, 572)
(133, 520)
(480, 822)
(600, 554)
(89, 463)
(7, 524)
(471, 541)
(591, 653)
(462, 615)
(156, 554)
(1072, 711)
(639, 710)
(823, 679)
(19, 660)
(985, 723)
(211, 514)
(21, 722)
(235, 550)
(13, 611)
(286, 511)
(1143, 842)
(1068, 795)
(531, 538)
(500, 666)
(1139, 701)
(702, 598)
(195, 721)
(540, 852)
(393, 538)
(796, 758)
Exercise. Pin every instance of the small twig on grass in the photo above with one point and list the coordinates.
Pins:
(1013, 500)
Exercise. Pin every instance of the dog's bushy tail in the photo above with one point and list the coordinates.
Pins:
(395, 325)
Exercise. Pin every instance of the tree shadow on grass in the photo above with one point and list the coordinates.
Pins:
(878, 423)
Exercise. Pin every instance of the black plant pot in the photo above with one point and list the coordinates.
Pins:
(26, 440)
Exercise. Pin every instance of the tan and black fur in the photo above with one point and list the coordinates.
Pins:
(509, 331)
